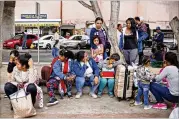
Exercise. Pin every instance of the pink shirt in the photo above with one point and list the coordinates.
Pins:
(164, 80)
(98, 57)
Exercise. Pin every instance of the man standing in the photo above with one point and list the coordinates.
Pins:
(119, 32)
(56, 46)
(143, 35)
(158, 38)
(24, 40)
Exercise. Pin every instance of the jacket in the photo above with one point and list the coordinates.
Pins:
(92, 33)
(142, 36)
(31, 76)
(80, 70)
(121, 43)
(57, 69)
(159, 37)
(104, 63)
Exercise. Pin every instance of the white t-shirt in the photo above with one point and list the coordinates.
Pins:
(89, 71)
(118, 36)
(56, 37)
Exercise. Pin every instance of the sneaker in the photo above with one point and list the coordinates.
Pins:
(78, 95)
(137, 103)
(52, 101)
(111, 96)
(147, 107)
(160, 106)
(70, 96)
(93, 95)
(99, 95)
(5, 96)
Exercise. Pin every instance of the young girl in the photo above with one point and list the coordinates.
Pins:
(170, 93)
(97, 52)
(107, 74)
(144, 77)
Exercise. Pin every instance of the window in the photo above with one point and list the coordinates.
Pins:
(47, 38)
(60, 37)
(17, 37)
(77, 38)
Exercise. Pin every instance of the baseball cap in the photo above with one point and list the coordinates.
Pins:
(157, 28)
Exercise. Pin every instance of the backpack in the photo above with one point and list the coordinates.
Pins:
(46, 71)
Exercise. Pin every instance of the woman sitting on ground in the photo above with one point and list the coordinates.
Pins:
(170, 93)
(24, 75)
(62, 76)
(87, 72)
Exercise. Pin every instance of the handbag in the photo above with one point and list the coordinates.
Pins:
(22, 104)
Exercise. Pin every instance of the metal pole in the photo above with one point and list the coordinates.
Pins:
(38, 16)
(38, 39)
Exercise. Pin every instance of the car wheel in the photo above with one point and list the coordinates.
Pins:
(48, 47)
(16, 47)
(78, 46)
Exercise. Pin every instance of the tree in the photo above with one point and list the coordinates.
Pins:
(7, 22)
(1, 17)
(111, 31)
(174, 23)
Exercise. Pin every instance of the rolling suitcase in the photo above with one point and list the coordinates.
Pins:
(123, 81)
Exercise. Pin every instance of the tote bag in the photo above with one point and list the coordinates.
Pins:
(22, 104)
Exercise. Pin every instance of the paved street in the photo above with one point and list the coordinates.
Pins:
(46, 56)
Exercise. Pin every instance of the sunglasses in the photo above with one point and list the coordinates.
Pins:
(99, 23)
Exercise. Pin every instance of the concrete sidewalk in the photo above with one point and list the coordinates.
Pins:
(104, 107)
(86, 106)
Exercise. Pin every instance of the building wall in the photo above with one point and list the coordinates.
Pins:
(51, 8)
(157, 13)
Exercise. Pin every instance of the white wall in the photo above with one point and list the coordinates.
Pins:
(51, 8)
(73, 11)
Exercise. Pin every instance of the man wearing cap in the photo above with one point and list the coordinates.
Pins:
(159, 36)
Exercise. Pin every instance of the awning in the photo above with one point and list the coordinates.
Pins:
(35, 24)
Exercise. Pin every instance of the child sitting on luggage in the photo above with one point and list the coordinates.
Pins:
(107, 74)
(97, 53)
(144, 77)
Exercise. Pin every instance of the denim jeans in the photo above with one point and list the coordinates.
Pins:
(161, 92)
(24, 44)
(143, 89)
(81, 81)
(55, 52)
(103, 82)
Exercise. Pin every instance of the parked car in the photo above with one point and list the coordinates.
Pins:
(47, 41)
(16, 41)
(76, 41)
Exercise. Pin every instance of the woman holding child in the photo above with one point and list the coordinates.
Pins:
(102, 36)
(170, 93)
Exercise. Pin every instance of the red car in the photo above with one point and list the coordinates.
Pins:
(16, 41)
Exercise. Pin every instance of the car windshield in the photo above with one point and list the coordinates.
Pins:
(17, 37)
(168, 35)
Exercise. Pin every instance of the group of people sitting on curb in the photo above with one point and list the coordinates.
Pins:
(82, 69)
